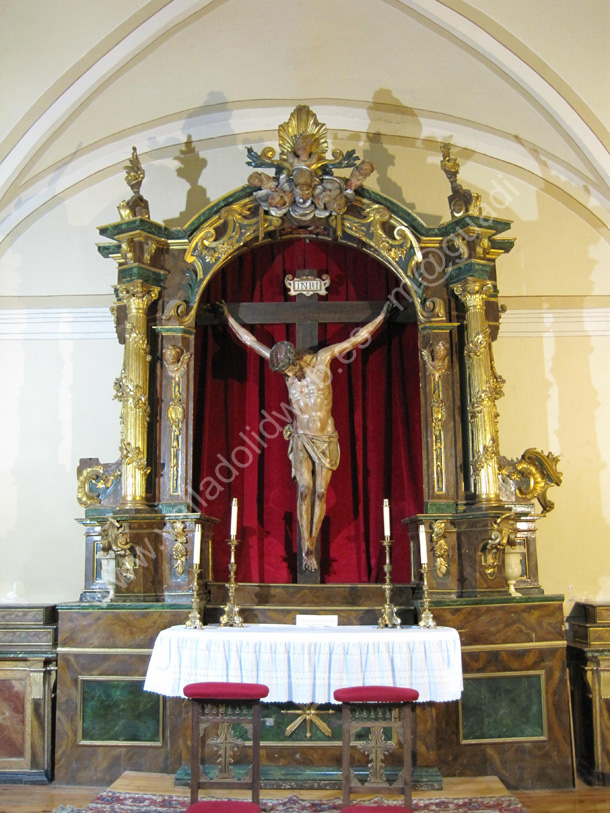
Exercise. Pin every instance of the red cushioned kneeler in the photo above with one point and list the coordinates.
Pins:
(371, 707)
(232, 806)
(224, 703)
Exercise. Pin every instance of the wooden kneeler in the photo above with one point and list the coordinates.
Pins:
(371, 707)
(224, 703)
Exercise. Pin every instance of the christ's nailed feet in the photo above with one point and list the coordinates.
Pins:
(309, 560)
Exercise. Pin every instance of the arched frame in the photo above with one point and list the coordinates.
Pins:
(446, 280)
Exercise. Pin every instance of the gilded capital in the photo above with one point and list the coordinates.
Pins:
(473, 292)
(137, 295)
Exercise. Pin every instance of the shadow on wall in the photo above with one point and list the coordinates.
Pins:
(378, 150)
(191, 163)
(559, 388)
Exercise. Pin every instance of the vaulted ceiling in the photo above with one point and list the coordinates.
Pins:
(522, 84)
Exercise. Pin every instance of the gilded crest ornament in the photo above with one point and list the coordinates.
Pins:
(303, 185)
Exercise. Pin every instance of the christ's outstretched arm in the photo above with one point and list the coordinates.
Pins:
(244, 335)
(359, 337)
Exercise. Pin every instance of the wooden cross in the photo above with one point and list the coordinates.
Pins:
(307, 313)
(376, 748)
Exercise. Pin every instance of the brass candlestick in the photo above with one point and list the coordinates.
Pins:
(231, 617)
(426, 615)
(194, 620)
(388, 617)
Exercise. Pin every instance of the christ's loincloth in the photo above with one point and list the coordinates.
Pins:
(322, 449)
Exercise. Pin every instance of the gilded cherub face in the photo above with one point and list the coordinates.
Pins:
(303, 182)
(172, 354)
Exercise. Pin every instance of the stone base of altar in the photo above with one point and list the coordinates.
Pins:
(105, 722)
(512, 721)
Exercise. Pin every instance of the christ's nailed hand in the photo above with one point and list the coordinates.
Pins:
(388, 309)
(222, 311)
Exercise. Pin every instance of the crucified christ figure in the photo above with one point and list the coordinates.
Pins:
(313, 440)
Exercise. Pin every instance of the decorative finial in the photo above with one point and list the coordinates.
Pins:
(461, 201)
(136, 206)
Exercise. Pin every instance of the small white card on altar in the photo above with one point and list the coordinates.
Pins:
(317, 620)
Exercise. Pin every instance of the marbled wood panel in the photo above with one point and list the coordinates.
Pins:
(26, 637)
(100, 765)
(301, 755)
(12, 718)
(278, 615)
(527, 765)
(125, 628)
(314, 596)
(513, 622)
(28, 614)
(425, 733)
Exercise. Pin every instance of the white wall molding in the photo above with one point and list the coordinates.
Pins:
(555, 322)
(57, 324)
(95, 324)
(532, 83)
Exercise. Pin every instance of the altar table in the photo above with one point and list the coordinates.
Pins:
(306, 664)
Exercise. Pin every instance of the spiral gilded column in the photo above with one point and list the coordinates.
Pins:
(484, 386)
(131, 389)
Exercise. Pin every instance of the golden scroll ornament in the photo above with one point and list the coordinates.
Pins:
(437, 364)
(178, 529)
(114, 538)
(440, 548)
(176, 361)
(534, 473)
(94, 477)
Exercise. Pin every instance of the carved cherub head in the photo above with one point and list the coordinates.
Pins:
(303, 147)
(303, 180)
(360, 174)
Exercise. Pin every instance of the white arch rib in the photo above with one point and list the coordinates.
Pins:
(468, 32)
(43, 128)
(257, 118)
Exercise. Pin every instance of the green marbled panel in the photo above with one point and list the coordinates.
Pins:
(503, 707)
(119, 710)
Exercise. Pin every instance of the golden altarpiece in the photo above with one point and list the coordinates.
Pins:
(479, 509)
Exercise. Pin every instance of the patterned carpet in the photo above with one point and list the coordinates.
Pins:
(113, 802)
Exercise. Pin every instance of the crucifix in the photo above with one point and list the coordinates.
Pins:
(313, 441)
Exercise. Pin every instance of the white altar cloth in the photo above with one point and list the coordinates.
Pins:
(306, 664)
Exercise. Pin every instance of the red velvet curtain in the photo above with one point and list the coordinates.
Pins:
(241, 409)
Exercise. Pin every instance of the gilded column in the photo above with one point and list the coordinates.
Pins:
(131, 389)
(484, 387)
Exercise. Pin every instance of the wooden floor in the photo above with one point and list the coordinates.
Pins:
(46, 798)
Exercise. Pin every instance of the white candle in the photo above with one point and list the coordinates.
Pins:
(423, 545)
(386, 519)
(197, 545)
(234, 518)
